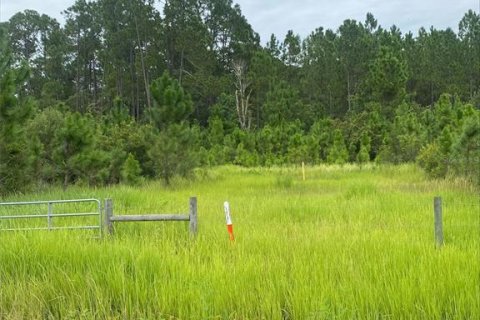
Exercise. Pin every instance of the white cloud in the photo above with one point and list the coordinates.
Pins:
(52, 8)
(303, 16)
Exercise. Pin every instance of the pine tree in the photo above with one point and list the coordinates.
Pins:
(171, 104)
(363, 155)
(14, 112)
(386, 82)
(338, 153)
(73, 145)
(174, 152)
(131, 171)
(466, 150)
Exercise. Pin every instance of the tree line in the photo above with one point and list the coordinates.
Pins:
(123, 92)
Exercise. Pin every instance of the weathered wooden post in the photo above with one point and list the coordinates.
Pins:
(437, 208)
(108, 215)
(193, 215)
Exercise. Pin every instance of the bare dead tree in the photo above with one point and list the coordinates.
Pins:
(242, 94)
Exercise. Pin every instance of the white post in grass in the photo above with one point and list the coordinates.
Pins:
(437, 208)
(228, 218)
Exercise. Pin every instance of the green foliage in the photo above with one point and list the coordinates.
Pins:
(44, 129)
(363, 155)
(469, 33)
(131, 171)
(242, 145)
(14, 113)
(262, 74)
(455, 152)
(445, 141)
(433, 161)
(119, 113)
(338, 153)
(297, 149)
(174, 152)
(321, 134)
(224, 109)
(120, 139)
(405, 138)
(358, 93)
(466, 150)
(3, 36)
(444, 113)
(284, 105)
(74, 150)
(265, 147)
(244, 157)
(91, 81)
(215, 132)
(387, 80)
(171, 103)
(291, 49)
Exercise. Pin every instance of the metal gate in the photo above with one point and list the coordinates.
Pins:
(50, 214)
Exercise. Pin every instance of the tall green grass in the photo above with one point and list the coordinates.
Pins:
(347, 243)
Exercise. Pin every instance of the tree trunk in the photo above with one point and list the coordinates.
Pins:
(182, 57)
(241, 95)
(144, 71)
(94, 83)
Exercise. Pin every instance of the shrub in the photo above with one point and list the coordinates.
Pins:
(131, 171)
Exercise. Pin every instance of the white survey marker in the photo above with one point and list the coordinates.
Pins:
(226, 208)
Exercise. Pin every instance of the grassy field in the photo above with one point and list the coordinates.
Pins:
(344, 244)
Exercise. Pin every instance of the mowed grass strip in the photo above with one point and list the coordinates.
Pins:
(347, 243)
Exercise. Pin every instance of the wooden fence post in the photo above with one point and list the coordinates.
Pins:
(108, 215)
(193, 216)
(437, 207)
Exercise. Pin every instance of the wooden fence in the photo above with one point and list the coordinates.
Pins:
(110, 218)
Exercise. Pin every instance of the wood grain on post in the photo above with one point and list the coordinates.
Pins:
(437, 207)
(108, 215)
(193, 216)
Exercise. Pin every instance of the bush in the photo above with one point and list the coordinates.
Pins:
(174, 152)
(432, 160)
(131, 171)
(466, 151)
(338, 153)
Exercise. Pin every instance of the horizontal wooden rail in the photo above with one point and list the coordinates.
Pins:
(191, 216)
(151, 217)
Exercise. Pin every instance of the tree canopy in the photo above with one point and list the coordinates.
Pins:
(114, 92)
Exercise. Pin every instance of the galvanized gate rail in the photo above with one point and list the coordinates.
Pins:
(50, 215)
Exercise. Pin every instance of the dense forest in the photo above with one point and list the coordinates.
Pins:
(123, 92)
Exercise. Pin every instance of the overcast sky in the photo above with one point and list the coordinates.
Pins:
(303, 16)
